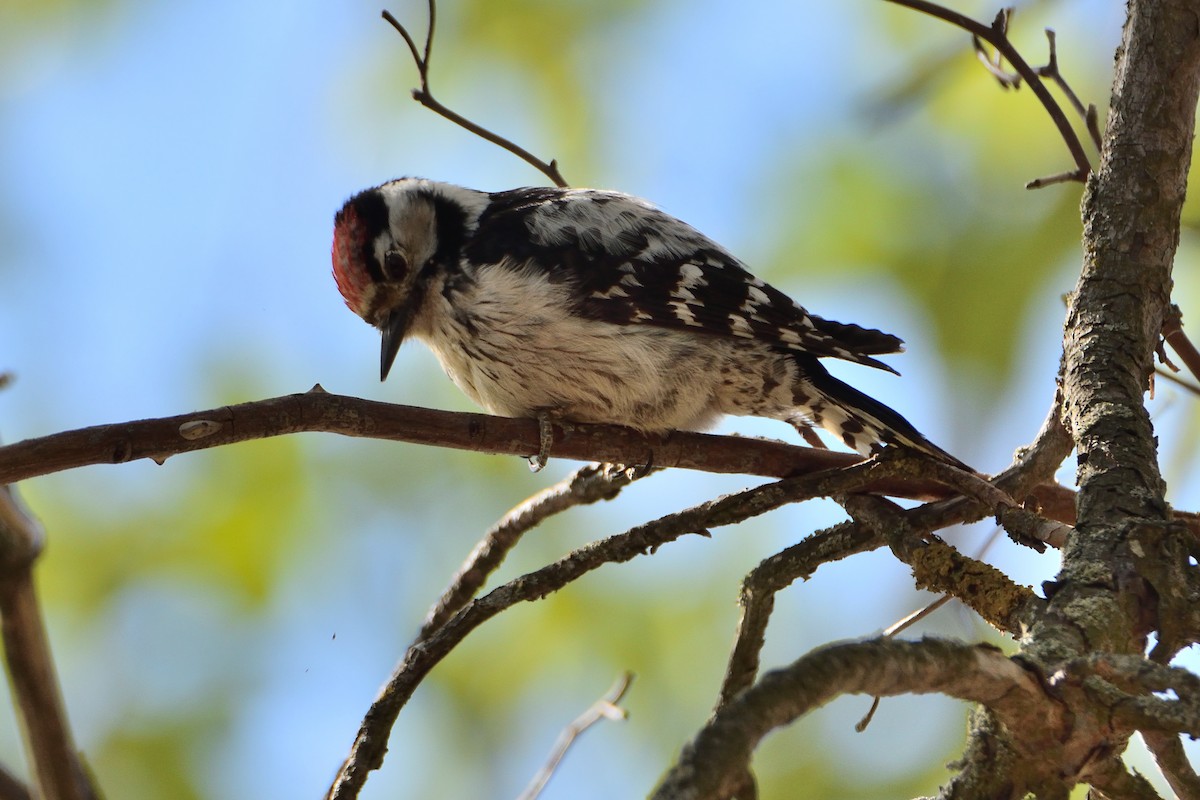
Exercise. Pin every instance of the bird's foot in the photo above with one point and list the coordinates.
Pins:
(545, 441)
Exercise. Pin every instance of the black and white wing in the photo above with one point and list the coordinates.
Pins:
(634, 264)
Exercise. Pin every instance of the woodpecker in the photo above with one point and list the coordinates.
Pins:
(584, 305)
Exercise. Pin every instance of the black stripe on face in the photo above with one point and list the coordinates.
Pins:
(371, 212)
(451, 230)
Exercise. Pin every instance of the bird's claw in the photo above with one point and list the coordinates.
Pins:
(545, 441)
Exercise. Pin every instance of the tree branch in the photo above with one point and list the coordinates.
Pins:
(10, 787)
(424, 96)
(57, 771)
(371, 742)
(1115, 319)
(757, 599)
(1031, 465)
(604, 708)
(940, 568)
(589, 484)
(1111, 780)
(1168, 753)
(712, 764)
(996, 35)
(317, 410)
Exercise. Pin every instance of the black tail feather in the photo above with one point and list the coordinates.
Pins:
(863, 422)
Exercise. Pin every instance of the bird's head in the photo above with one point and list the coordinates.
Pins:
(387, 243)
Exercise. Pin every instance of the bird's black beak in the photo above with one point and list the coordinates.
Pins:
(393, 334)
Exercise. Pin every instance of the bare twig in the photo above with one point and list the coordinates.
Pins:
(1178, 340)
(757, 599)
(371, 742)
(1178, 381)
(994, 63)
(586, 485)
(57, 771)
(604, 708)
(907, 621)
(424, 96)
(1070, 176)
(996, 35)
(895, 628)
(1089, 114)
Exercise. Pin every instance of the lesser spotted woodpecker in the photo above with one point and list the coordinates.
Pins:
(594, 306)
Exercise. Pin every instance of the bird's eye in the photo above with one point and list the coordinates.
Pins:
(395, 264)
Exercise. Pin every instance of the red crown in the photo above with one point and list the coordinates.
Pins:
(348, 270)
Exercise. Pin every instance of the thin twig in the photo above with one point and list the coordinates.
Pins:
(997, 36)
(1090, 115)
(1050, 70)
(57, 771)
(588, 484)
(907, 621)
(890, 631)
(772, 575)
(1178, 381)
(993, 63)
(424, 96)
(1174, 335)
(1070, 176)
(604, 708)
(370, 744)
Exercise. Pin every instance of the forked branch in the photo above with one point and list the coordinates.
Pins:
(996, 35)
(588, 484)
(714, 763)
(370, 744)
(424, 96)
(604, 708)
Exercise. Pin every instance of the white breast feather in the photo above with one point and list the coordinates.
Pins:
(530, 353)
